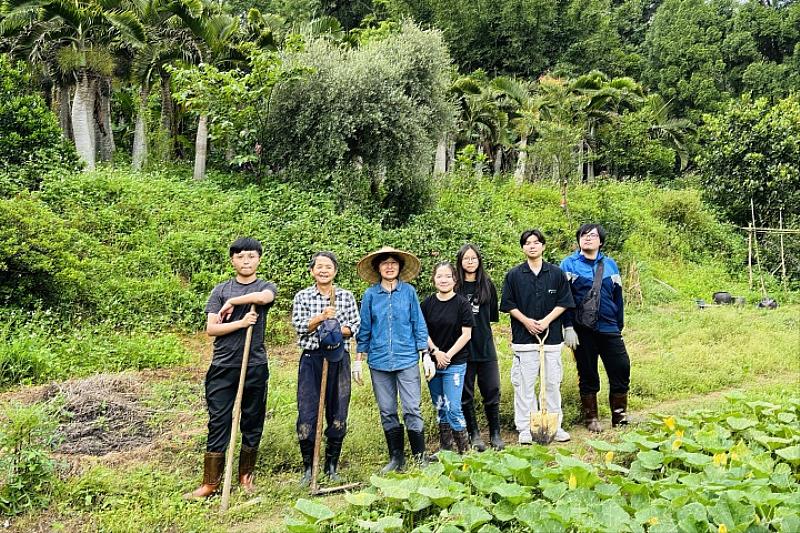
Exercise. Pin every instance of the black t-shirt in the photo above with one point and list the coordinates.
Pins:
(535, 295)
(445, 320)
(228, 349)
(481, 346)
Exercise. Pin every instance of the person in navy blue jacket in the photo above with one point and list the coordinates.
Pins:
(592, 334)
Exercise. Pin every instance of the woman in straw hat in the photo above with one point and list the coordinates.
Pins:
(393, 337)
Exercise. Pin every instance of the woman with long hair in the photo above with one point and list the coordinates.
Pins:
(473, 283)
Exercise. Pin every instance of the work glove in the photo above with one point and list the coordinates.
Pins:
(357, 372)
(571, 338)
(428, 366)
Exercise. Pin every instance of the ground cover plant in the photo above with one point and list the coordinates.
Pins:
(735, 469)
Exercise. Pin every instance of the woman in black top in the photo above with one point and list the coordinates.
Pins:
(449, 320)
(476, 286)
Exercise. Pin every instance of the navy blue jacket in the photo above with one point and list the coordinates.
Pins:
(580, 273)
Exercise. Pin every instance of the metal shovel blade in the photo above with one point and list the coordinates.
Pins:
(543, 427)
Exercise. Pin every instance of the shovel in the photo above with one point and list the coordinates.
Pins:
(543, 424)
(323, 388)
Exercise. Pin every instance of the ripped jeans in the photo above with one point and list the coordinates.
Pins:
(446, 388)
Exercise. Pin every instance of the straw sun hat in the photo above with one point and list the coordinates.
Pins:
(410, 270)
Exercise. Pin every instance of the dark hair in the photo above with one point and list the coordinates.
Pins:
(586, 228)
(245, 244)
(483, 282)
(378, 259)
(444, 264)
(329, 255)
(527, 235)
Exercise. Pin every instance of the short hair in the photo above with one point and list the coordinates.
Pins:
(245, 244)
(586, 228)
(324, 253)
(527, 235)
(447, 264)
(378, 259)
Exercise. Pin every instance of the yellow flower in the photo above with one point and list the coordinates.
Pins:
(720, 459)
(723, 528)
(679, 433)
(652, 521)
(573, 482)
(609, 457)
(464, 466)
(670, 423)
(734, 456)
(676, 444)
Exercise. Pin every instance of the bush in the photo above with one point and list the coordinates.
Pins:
(31, 143)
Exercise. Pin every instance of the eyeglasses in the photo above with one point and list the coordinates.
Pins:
(469, 260)
(590, 236)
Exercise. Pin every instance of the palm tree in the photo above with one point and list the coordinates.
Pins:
(523, 111)
(79, 34)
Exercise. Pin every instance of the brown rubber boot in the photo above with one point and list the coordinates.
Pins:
(589, 408)
(446, 438)
(247, 466)
(213, 466)
(619, 409)
(462, 441)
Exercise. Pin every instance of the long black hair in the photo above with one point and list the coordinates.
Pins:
(483, 291)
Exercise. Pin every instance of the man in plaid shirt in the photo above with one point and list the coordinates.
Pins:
(310, 309)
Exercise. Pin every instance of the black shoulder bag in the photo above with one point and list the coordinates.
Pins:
(588, 310)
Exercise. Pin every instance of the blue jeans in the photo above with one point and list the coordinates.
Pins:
(386, 385)
(446, 388)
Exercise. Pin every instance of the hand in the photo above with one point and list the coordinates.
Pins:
(328, 313)
(530, 325)
(357, 372)
(441, 359)
(571, 338)
(249, 319)
(225, 312)
(428, 368)
(540, 326)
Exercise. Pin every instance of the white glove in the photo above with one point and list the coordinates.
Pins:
(428, 367)
(357, 372)
(571, 338)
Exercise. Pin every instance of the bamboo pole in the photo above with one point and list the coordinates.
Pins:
(757, 254)
(783, 257)
(750, 256)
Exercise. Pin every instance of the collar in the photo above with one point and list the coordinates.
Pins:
(526, 268)
(594, 261)
(396, 288)
(316, 292)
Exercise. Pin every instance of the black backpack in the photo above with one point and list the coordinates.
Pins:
(588, 310)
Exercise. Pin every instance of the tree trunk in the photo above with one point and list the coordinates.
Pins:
(64, 111)
(440, 165)
(167, 129)
(201, 148)
(139, 157)
(498, 161)
(522, 159)
(451, 154)
(589, 158)
(83, 120)
(106, 134)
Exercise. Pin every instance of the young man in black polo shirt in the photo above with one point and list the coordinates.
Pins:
(535, 293)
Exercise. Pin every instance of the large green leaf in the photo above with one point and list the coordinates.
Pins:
(484, 481)
(383, 525)
(791, 454)
(416, 502)
(512, 492)
(650, 460)
(297, 525)
(613, 516)
(504, 511)
(441, 497)
(469, 515)
(732, 513)
(317, 511)
(737, 423)
(361, 499)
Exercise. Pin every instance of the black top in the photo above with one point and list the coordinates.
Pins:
(445, 320)
(228, 349)
(535, 296)
(481, 346)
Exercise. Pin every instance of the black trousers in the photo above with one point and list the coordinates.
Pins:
(221, 386)
(337, 398)
(487, 374)
(611, 349)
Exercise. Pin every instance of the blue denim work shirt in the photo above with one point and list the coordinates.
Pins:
(393, 329)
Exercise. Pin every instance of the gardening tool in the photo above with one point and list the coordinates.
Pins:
(543, 424)
(237, 415)
(323, 387)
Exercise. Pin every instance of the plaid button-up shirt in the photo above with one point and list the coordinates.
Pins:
(309, 303)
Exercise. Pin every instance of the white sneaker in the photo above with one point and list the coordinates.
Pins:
(525, 437)
(561, 436)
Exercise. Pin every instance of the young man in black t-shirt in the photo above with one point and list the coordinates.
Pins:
(228, 317)
(535, 293)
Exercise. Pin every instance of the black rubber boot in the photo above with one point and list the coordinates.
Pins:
(462, 441)
(472, 427)
(493, 418)
(416, 440)
(396, 444)
(446, 438)
(589, 408)
(333, 449)
(307, 451)
(619, 409)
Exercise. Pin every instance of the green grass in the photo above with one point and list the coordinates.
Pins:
(682, 359)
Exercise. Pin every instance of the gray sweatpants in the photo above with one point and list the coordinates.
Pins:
(525, 374)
